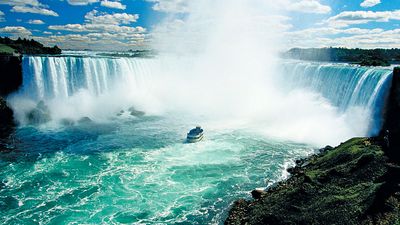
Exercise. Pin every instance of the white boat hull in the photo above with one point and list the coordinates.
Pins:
(194, 139)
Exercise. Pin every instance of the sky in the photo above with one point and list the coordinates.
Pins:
(129, 24)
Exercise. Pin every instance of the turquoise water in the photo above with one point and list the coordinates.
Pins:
(134, 171)
(127, 170)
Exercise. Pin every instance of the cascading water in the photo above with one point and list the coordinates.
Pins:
(99, 87)
(137, 170)
(62, 77)
(217, 62)
(80, 86)
(346, 87)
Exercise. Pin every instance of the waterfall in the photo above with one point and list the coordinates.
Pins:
(47, 78)
(345, 86)
(331, 101)
(83, 86)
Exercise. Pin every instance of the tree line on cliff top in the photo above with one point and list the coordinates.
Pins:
(26, 46)
(364, 57)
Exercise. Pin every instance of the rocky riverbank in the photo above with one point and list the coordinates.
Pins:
(354, 183)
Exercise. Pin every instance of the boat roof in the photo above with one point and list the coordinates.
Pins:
(196, 130)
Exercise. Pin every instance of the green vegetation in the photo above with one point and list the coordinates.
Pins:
(364, 57)
(25, 46)
(6, 50)
(353, 183)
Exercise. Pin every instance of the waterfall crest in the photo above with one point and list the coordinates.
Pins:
(313, 102)
(345, 86)
(61, 77)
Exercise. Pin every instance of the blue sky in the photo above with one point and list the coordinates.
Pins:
(128, 24)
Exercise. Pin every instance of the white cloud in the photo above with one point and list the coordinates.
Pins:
(100, 31)
(309, 6)
(47, 32)
(172, 6)
(15, 31)
(311, 33)
(95, 41)
(347, 18)
(339, 37)
(29, 6)
(36, 10)
(96, 17)
(103, 22)
(35, 22)
(81, 2)
(111, 4)
(111, 28)
(306, 6)
(370, 3)
(21, 2)
(384, 39)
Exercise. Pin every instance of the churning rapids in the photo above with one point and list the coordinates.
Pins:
(120, 168)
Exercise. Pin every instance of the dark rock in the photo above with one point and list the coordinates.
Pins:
(39, 115)
(299, 161)
(256, 194)
(10, 75)
(135, 112)
(6, 119)
(67, 122)
(295, 170)
(85, 120)
(238, 213)
(350, 184)
(390, 133)
(307, 179)
(6, 113)
(120, 113)
(327, 148)
(365, 159)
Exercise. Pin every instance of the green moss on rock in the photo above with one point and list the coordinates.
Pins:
(349, 184)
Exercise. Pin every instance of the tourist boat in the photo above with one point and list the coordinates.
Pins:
(195, 135)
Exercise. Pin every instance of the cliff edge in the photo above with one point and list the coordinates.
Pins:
(354, 183)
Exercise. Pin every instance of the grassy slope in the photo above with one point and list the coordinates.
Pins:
(5, 49)
(350, 184)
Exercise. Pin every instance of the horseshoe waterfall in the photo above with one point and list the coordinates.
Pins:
(101, 140)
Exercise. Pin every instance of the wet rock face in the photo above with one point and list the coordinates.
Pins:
(10, 75)
(391, 128)
(135, 112)
(238, 213)
(39, 115)
(257, 194)
(6, 118)
(85, 120)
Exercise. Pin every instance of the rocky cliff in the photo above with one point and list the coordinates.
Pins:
(10, 80)
(354, 183)
(11, 74)
(391, 128)
(6, 120)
